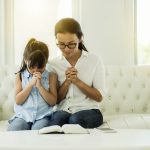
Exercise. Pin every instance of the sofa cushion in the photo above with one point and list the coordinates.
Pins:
(128, 90)
(4, 125)
(129, 121)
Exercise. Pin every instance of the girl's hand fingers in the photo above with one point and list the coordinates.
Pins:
(38, 75)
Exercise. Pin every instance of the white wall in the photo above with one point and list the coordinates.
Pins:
(6, 32)
(1, 31)
(34, 19)
(108, 27)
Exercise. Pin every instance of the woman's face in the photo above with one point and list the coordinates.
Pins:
(67, 43)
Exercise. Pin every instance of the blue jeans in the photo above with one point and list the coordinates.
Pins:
(19, 124)
(59, 118)
(86, 118)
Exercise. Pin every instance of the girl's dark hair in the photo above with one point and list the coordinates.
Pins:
(36, 59)
(32, 46)
(72, 26)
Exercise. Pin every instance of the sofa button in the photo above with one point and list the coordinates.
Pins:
(137, 97)
(134, 74)
(117, 109)
(107, 74)
(148, 74)
(124, 97)
(131, 110)
(144, 109)
(121, 74)
(115, 84)
(103, 109)
(143, 85)
(129, 85)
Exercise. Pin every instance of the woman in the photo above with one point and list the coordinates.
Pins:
(80, 76)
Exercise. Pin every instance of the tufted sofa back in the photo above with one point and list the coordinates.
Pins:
(7, 78)
(128, 90)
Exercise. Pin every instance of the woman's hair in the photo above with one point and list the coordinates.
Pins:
(36, 53)
(70, 25)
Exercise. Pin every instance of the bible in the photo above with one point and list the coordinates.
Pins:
(66, 128)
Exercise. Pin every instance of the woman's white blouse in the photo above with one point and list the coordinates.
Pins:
(90, 70)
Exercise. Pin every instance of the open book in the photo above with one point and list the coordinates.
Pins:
(106, 130)
(66, 128)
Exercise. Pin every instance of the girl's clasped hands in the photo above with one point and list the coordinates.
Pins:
(36, 79)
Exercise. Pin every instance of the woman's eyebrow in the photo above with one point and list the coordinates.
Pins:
(71, 41)
(67, 43)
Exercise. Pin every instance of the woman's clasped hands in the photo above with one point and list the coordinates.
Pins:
(72, 75)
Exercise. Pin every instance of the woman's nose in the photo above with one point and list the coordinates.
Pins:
(67, 49)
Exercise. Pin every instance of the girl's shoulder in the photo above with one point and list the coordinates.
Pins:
(45, 73)
(25, 73)
(18, 76)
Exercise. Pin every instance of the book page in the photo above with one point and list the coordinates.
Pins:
(107, 130)
(50, 129)
(74, 128)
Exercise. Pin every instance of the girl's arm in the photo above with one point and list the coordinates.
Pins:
(21, 94)
(49, 96)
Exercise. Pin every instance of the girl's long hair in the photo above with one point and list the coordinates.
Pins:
(32, 46)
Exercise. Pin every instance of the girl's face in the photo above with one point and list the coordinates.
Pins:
(68, 44)
(35, 69)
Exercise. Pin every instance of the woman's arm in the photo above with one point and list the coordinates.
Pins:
(89, 91)
(63, 89)
(49, 96)
(21, 94)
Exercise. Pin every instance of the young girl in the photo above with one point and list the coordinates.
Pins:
(35, 90)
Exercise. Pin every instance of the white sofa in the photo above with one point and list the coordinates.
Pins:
(126, 105)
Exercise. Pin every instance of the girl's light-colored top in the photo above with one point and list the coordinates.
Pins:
(35, 107)
(90, 70)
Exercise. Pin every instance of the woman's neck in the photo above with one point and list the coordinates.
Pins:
(74, 58)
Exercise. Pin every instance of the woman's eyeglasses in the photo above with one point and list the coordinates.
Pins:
(70, 46)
